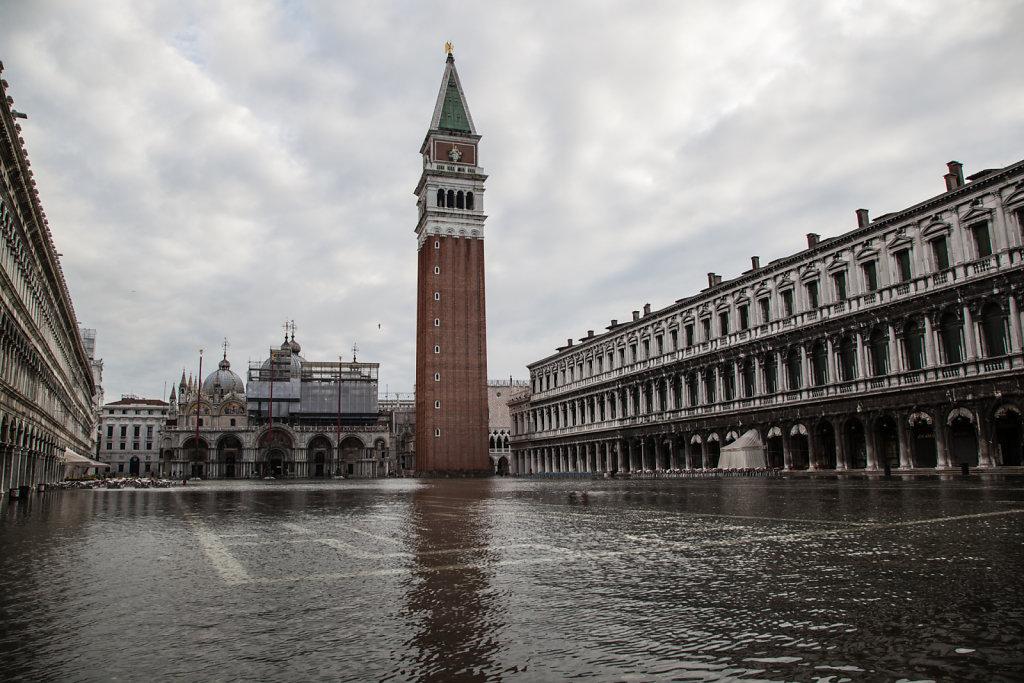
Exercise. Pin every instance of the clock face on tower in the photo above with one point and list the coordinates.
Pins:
(449, 152)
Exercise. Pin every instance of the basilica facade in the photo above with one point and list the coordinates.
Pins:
(897, 344)
(293, 418)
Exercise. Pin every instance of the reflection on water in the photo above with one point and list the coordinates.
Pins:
(816, 579)
(453, 602)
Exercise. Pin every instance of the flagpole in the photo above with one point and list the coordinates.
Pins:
(199, 399)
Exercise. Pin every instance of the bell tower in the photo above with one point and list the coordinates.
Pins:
(451, 324)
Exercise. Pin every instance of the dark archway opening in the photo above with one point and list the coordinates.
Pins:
(1009, 440)
(776, 454)
(963, 442)
(825, 437)
(922, 438)
(800, 448)
(887, 444)
(856, 446)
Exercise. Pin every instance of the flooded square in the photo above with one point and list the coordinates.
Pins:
(801, 579)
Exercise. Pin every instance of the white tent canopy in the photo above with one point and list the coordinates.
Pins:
(746, 452)
(77, 464)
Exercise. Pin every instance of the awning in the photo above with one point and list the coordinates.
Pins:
(73, 459)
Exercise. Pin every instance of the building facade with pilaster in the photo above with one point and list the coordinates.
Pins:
(897, 344)
(129, 434)
(46, 376)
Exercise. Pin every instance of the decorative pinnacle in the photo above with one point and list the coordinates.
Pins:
(449, 48)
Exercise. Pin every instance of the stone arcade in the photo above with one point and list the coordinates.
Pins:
(897, 344)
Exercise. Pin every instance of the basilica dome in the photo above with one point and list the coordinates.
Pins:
(225, 379)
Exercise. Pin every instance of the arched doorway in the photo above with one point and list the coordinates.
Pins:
(800, 447)
(317, 454)
(776, 448)
(714, 450)
(1009, 437)
(502, 469)
(963, 440)
(825, 440)
(887, 443)
(922, 440)
(856, 446)
(351, 451)
(696, 453)
(229, 451)
(276, 449)
(196, 457)
(133, 466)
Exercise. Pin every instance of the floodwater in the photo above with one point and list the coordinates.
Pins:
(806, 579)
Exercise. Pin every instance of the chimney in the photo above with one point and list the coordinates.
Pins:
(647, 309)
(711, 279)
(755, 262)
(955, 177)
(614, 323)
(568, 342)
(636, 315)
(812, 240)
(862, 218)
(590, 333)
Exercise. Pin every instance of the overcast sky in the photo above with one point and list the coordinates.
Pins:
(212, 169)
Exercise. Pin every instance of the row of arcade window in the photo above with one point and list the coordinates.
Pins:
(743, 319)
(731, 379)
(994, 337)
(454, 200)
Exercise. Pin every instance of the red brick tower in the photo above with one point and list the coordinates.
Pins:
(451, 324)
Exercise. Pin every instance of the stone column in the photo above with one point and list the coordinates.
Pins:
(943, 457)
(620, 455)
(869, 445)
(842, 453)
(673, 458)
(903, 439)
(1015, 328)
(970, 338)
(833, 364)
(860, 372)
(787, 449)
(986, 453)
(932, 358)
(758, 378)
(894, 365)
(812, 451)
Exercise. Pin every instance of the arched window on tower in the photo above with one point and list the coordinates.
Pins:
(451, 199)
(469, 201)
(440, 198)
(460, 200)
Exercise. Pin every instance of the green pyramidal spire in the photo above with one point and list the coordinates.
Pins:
(452, 112)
